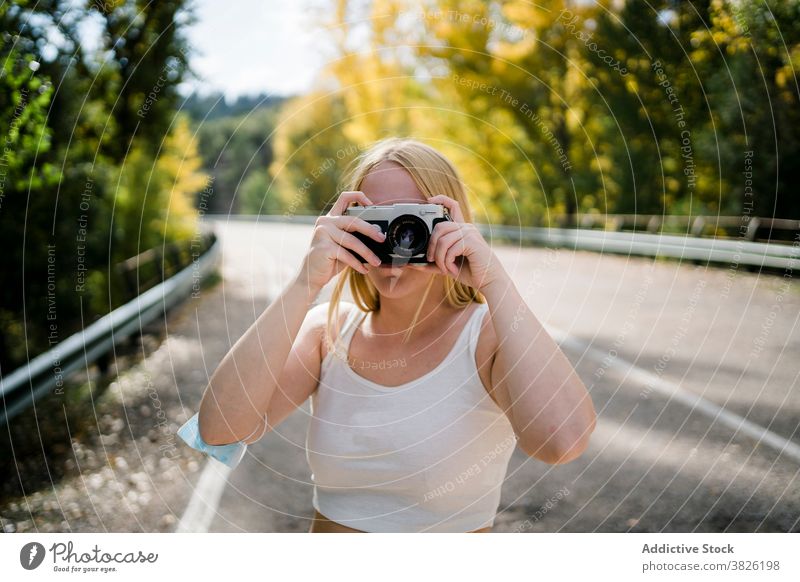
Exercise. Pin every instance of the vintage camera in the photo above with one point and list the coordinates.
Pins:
(407, 228)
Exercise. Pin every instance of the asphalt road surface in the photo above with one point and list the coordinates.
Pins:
(693, 371)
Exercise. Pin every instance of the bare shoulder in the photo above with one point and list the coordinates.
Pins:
(317, 321)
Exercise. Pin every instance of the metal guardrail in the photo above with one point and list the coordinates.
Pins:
(153, 266)
(711, 250)
(738, 251)
(745, 226)
(23, 386)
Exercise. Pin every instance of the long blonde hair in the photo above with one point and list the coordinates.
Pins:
(433, 174)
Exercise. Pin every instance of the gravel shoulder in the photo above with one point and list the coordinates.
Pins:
(105, 456)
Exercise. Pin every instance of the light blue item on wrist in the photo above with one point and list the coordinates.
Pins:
(230, 454)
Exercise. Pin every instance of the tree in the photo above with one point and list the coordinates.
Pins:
(72, 115)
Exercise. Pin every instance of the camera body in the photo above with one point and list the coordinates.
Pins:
(407, 226)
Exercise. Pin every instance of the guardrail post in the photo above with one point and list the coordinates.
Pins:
(158, 259)
(103, 362)
(697, 226)
(752, 228)
(175, 256)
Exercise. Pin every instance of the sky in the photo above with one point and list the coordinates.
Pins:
(246, 47)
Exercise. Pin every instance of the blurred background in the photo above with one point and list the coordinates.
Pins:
(136, 135)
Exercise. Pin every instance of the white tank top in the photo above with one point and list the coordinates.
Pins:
(429, 455)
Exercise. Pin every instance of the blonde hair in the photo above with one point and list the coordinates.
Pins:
(433, 174)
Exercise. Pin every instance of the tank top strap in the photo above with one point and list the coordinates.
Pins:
(344, 336)
(466, 343)
(354, 317)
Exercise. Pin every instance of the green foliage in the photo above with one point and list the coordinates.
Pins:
(211, 106)
(236, 151)
(256, 195)
(550, 108)
(150, 59)
(559, 107)
(311, 152)
(24, 99)
(67, 181)
(154, 200)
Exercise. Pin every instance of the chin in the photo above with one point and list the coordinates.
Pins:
(398, 282)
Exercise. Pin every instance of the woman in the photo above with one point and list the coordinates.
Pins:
(420, 388)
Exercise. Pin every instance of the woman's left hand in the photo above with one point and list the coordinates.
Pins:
(458, 249)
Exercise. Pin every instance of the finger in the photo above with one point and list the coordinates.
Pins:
(452, 206)
(445, 242)
(356, 224)
(342, 255)
(452, 253)
(348, 241)
(347, 198)
(438, 231)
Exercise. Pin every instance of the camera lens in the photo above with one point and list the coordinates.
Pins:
(407, 235)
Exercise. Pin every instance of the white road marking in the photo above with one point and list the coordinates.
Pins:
(674, 392)
(205, 498)
(204, 503)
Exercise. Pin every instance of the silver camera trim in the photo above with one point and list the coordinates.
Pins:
(391, 212)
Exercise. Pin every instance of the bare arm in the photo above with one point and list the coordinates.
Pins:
(241, 388)
(550, 408)
(548, 405)
(301, 375)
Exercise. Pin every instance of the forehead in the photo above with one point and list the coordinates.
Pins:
(390, 183)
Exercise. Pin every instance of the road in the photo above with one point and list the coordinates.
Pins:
(693, 371)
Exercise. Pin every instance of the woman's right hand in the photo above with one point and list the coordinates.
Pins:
(328, 253)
